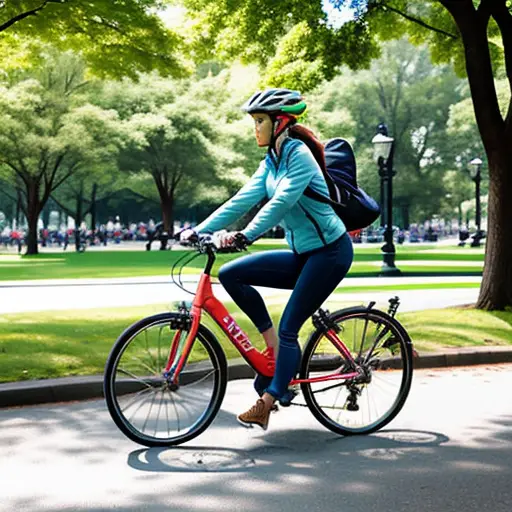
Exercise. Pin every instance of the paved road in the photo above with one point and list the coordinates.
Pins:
(38, 297)
(20, 296)
(450, 449)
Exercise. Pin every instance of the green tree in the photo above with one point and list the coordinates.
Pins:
(177, 139)
(115, 37)
(475, 36)
(47, 136)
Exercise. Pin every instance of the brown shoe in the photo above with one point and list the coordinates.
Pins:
(258, 414)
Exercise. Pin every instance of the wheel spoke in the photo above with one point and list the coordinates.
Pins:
(133, 376)
(147, 349)
(167, 419)
(159, 410)
(144, 400)
(202, 379)
(158, 354)
(145, 365)
(175, 408)
(150, 409)
(363, 337)
(136, 397)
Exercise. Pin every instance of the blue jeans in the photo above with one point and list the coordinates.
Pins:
(312, 276)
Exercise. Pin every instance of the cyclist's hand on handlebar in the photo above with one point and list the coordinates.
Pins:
(188, 236)
(223, 239)
(234, 240)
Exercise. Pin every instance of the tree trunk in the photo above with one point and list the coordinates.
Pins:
(33, 210)
(496, 289)
(46, 215)
(167, 207)
(93, 210)
(78, 218)
(18, 211)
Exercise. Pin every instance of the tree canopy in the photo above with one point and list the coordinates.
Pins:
(115, 37)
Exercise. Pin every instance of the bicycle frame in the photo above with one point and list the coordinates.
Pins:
(206, 300)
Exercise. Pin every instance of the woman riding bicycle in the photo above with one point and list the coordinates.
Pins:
(320, 252)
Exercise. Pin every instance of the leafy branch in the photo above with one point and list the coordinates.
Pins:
(384, 6)
(23, 15)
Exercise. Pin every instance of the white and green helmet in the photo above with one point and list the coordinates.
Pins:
(276, 101)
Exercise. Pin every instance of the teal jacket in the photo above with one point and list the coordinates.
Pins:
(308, 224)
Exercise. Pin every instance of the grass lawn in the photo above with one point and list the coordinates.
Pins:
(56, 344)
(397, 287)
(412, 260)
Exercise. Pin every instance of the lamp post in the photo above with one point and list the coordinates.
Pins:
(476, 176)
(384, 150)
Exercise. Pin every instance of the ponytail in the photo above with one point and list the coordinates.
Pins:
(299, 131)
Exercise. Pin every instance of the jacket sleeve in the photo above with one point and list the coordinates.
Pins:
(247, 197)
(301, 167)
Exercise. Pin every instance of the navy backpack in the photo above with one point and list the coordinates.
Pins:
(352, 204)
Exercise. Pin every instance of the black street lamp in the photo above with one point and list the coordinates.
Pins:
(476, 176)
(384, 150)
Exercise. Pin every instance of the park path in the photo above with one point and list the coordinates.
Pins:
(25, 296)
(450, 450)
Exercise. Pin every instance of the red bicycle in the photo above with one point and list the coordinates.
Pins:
(166, 375)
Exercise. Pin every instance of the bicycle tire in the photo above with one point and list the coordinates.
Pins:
(206, 340)
(308, 366)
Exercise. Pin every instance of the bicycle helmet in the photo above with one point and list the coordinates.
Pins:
(276, 101)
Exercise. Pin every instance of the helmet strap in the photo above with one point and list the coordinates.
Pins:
(280, 123)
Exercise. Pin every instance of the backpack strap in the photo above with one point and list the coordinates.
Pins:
(331, 187)
(317, 196)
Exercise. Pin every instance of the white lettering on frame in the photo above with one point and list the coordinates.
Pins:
(237, 334)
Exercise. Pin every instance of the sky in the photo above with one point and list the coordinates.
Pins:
(337, 17)
(174, 16)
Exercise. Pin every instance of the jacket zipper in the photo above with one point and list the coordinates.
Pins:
(314, 222)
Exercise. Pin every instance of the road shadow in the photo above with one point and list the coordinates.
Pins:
(293, 445)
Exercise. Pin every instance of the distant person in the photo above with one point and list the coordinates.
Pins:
(110, 228)
(6, 236)
(157, 233)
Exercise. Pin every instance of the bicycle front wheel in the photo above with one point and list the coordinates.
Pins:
(145, 407)
(383, 350)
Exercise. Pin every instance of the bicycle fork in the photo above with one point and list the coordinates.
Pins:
(186, 325)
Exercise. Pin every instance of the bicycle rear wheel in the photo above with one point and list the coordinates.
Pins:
(382, 348)
(141, 402)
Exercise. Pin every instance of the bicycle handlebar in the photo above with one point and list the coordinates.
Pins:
(206, 244)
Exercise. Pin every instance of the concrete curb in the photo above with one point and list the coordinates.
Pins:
(67, 389)
(465, 357)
